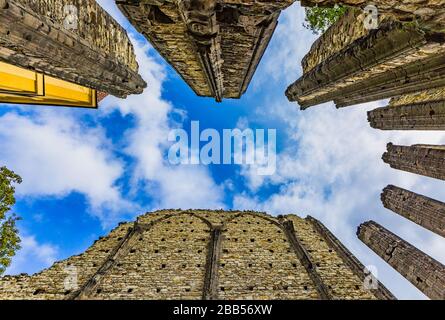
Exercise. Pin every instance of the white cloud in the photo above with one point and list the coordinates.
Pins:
(32, 257)
(169, 186)
(57, 155)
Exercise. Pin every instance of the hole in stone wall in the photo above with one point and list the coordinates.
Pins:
(130, 290)
(67, 292)
(140, 239)
(179, 251)
(252, 240)
(357, 287)
(119, 239)
(184, 266)
(271, 251)
(163, 266)
(98, 291)
(251, 288)
(250, 265)
(132, 250)
(419, 280)
(305, 287)
(156, 251)
(251, 250)
(270, 265)
(184, 240)
(286, 288)
(162, 239)
(330, 250)
(39, 291)
(222, 289)
(223, 265)
(158, 290)
(294, 265)
(199, 251)
(187, 290)
(198, 265)
(225, 251)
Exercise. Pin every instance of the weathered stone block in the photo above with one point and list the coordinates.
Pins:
(198, 254)
(74, 40)
(427, 274)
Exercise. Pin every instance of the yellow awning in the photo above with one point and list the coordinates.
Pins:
(19, 85)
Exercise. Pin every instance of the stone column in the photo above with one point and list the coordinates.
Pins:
(426, 160)
(351, 65)
(72, 40)
(427, 274)
(424, 110)
(430, 14)
(424, 211)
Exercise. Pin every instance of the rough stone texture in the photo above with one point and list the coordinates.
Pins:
(393, 60)
(428, 116)
(214, 45)
(428, 13)
(98, 54)
(348, 29)
(334, 266)
(424, 110)
(197, 254)
(427, 160)
(424, 211)
(427, 274)
(432, 95)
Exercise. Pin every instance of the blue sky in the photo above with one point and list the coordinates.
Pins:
(86, 170)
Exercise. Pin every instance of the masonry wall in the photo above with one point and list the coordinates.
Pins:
(258, 263)
(170, 254)
(95, 52)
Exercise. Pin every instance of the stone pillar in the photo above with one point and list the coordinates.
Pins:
(356, 65)
(427, 274)
(424, 110)
(426, 160)
(215, 46)
(424, 211)
(430, 14)
(72, 40)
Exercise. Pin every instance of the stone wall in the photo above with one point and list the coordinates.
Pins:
(427, 274)
(393, 60)
(430, 14)
(93, 51)
(345, 31)
(174, 254)
(215, 46)
(421, 97)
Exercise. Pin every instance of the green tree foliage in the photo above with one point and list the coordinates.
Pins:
(9, 238)
(320, 19)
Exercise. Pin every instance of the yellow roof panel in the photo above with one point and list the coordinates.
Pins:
(18, 85)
